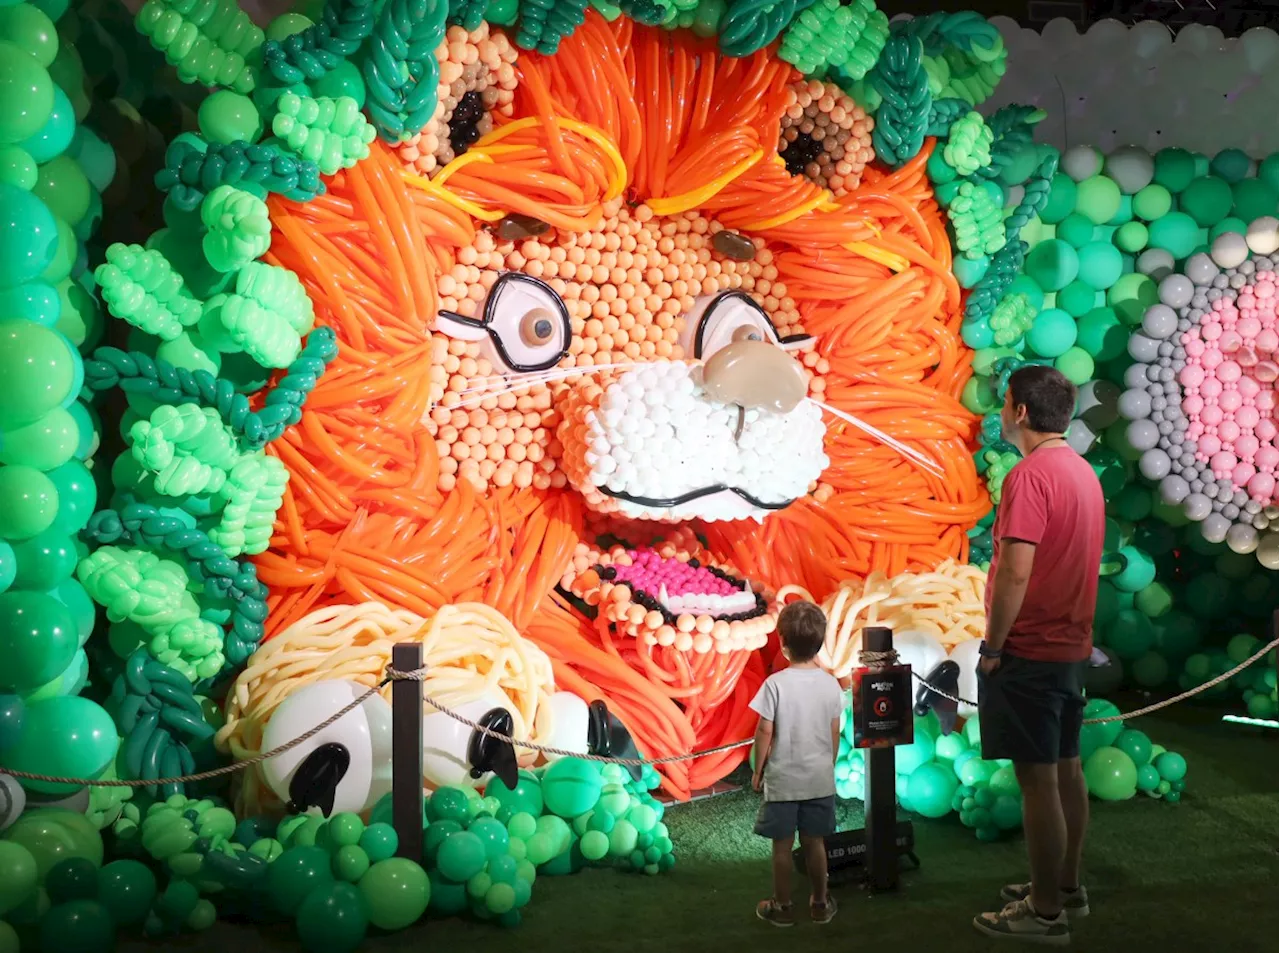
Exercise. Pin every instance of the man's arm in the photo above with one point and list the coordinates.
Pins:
(1008, 588)
(764, 743)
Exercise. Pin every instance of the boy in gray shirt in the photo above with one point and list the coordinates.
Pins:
(796, 747)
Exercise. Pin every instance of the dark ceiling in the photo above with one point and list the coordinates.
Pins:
(1232, 17)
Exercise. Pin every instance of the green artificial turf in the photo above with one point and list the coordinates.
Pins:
(1200, 875)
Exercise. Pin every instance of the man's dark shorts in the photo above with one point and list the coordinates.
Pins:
(1031, 712)
(780, 820)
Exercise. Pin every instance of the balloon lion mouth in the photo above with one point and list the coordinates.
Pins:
(669, 599)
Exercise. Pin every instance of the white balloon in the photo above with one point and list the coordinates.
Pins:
(920, 650)
(445, 741)
(1081, 162)
(13, 800)
(1263, 235)
(1268, 551)
(1150, 38)
(1229, 250)
(569, 725)
(365, 732)
(965, 654)
(1259, 48)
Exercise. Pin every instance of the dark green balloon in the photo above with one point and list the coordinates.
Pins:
(295, 874)
(331, 919)
(79, 926)
(127, 889)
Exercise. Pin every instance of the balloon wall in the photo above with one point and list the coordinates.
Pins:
(330, 327)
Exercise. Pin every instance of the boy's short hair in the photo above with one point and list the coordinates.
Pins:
(1049, 397)
(802, 627)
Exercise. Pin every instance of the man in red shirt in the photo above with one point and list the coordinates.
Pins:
(1041, 591)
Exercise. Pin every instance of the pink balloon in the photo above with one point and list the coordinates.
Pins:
(1212, 415)
(1266, 459)
(1229, 430)
(1267, 340)
(1192, 404)
(1211, 330)
(1191, 376)
(1231, 342)
(1211, 388)
(1211, 359)
(1266, 399)
(1223, 462)
(1209, 445)
(1245, 446)
(1265, 429)
(1230, 400)
(1242, 474)
(1228, 372)
(1261, 487)
(1249, 328)
(1248, 388)
(1247, 417)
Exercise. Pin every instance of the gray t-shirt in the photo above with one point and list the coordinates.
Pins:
(801, 703)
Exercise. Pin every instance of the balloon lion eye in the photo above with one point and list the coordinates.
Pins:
(537, 327)
(747, 333)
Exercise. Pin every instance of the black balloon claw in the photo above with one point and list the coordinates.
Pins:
(608, 737)
(945, 677)
(315, 783)
(486, 753)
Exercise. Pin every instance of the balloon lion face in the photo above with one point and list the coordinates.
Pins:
(590, 320)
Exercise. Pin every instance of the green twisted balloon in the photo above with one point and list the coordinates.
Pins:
(1035, 196)
(162, 383)
(544, 23)
(468, 14)
(239, 228)
(149, 700)
(1012, 318)
(1004, 268)
(903, 117)
(329, 132)
(977, 219)
(1012, 128)
(152, 593)
(965, 55)
(968, 146)
(310, 54)
(831, 34)
(195, 168)
(750, 25)
(220, 576)
(141, 287)
(209, 42)
(400, 69)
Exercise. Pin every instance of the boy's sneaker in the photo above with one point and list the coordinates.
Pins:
(1017, 921)
(1075, 903)
(770, 911)
(823, 912)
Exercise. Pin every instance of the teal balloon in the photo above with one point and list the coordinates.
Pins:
(84, 612)
(909, 758)
(1131, 635)
(1172, 767)
(80, 926)
(66, 736)
(11, 709)
(35, 301)
(8, 566)
(447, 899)
(45, 560)
(1004, 781)
(75, 878)
(526, 797)
(1095, 736)
(127, 889)
(1111, 775)
(332, 919)
(493, 834)
(571, 786)
(37, 639)
(295, 874)
(1135, 744)
(930, 788)
(55, 135)
(77, 496)
(976, 771)
(28, 236)
(461, 856)
(1006, 812)
(1052, 333)
(1139, 571)
(1148, 778)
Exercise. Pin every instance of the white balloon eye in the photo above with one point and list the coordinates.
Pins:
(525, 326)
(445, 742)
(718, 320)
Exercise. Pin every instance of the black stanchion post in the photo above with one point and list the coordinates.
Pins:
(880, 802)
(406, 751)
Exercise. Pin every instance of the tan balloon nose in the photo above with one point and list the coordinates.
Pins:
(756, 375)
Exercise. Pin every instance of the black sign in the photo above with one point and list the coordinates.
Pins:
(847, 852)
(882, 716)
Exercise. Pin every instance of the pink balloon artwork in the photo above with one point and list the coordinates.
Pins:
(1229, 388)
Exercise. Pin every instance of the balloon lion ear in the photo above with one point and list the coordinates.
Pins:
(486, 753)
(946, 677)
(315, 783)
(608, 737)
(516, 227)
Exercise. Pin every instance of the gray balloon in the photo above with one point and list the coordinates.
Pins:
(1142, 435)
(1173, 489)
(1135, 375)
(1134, 404)
(1200, 269)
(1096, 404)
(1196, 507)
(1143, 348)
(1242, 538)
(1253, 507)
(1155, 262)
(1176, 290)
(1160, 321)
(1215, 527)
(1080, 436)
(1231, 511)
(1155, 464)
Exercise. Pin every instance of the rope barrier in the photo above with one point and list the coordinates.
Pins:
(871, 660)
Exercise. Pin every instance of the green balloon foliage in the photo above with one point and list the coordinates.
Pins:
(332, 919)
(396, 893)
(1111, 774)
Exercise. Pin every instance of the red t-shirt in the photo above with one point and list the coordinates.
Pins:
(1053, 499)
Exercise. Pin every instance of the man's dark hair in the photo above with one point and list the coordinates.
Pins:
(802, 626)
(1049, 397)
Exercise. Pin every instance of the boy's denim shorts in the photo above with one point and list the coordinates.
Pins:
(781, 820)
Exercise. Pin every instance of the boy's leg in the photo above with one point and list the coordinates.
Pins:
(777, 821)
(817, 820)
(815, 862)
(782, 866)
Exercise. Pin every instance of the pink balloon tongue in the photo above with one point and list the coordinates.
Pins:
(1267, 371)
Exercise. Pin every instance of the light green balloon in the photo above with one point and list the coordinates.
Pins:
(68, 736)
(396, 893)
(1076, 365)
(44, 444)
(18, 875)
(36, 373)
(1111, 775)
(229, 117)
(1098, 199)
(28, 502)
(54, 834)
(17, 168)
(63, 187)
(26, 94)
(1152, 202)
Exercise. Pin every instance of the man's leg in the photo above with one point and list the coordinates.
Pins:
(1046, 830)
(815, 863)
(1074, 796)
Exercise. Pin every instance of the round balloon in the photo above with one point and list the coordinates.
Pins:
(332, 919)
(36, 368)
(52, 834)
(127, 888)
(1111, 775)
(38, 636)
(65, 736)
(396, 893)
